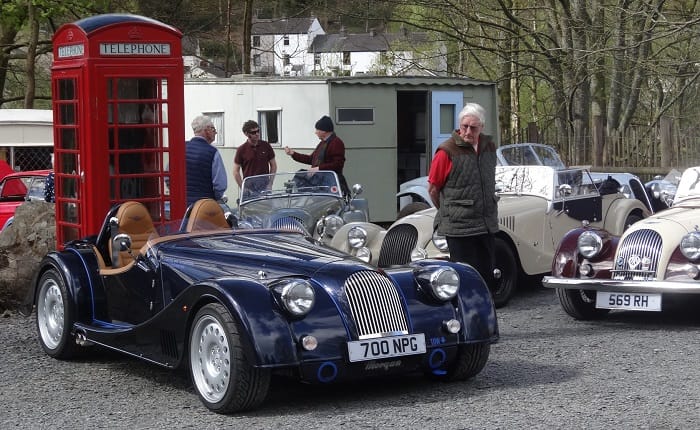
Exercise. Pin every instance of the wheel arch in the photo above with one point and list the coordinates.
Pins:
(476, 307)
(265, 333)
(70, 266)
(618, 212)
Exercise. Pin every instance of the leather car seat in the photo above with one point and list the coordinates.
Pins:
(206, 214)
(133, 219)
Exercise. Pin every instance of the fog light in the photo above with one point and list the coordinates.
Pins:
(585, 269)
(309, 343)
(452, 326)
(692, 271)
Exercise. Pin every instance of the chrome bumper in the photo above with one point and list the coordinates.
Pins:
(622, 286)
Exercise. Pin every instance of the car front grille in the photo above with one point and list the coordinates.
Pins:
(289, 223)
(638, 256)
(375, 305)
(397, 245)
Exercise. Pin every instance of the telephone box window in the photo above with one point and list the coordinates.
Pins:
(66, 159)
(136, 157)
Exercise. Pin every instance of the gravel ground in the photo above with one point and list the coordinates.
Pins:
(628, 371)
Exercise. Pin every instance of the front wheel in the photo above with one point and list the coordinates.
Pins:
(504, 287)
(470, 360)
(224, 379)
(55, 316)
(580, 304)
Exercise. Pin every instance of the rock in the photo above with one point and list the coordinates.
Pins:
(23, 244)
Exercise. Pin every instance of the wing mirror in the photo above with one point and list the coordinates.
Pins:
(357, 189)
(564, 190)
(122, 242)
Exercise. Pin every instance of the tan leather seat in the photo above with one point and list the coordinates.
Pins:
(206, 214)
(133, 219)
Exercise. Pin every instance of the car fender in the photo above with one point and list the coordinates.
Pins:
(619, 210)
(474, 304)
(565, 261)
(72, 265)
(264, 331)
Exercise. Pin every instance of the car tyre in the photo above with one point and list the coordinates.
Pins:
(55, 316)
(225, 380)
(412, 208)
(580, 304)
(470, 360)
(506, 285)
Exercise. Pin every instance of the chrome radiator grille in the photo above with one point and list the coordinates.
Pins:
(375, 305)
(638, 256)
(289, 223)
(397, 246)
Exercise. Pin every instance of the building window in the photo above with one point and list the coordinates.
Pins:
(354, 115)
(317, 59)
(256, 60)
(285, 40)
(286, 59)
(270, 121)
(218, 119)
(256, 41)
(346, 58)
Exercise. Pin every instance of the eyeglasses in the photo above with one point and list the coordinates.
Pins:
(466, 127)
(254, 131)
(212, 128)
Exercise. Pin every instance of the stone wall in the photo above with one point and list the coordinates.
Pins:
(22, 246)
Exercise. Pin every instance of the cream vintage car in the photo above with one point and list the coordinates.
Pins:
(537, 206)
(595, 271)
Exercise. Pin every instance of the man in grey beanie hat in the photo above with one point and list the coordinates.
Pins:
(329, 153)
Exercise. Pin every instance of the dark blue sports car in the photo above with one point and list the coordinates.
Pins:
(238, 306)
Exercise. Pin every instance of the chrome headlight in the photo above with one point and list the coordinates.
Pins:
(690, 246)
(589, 244)
(440, 242)
(297, 296)
(441, 282)
(329, 225)
(357, 237)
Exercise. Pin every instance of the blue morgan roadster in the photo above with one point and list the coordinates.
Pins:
(235, 307)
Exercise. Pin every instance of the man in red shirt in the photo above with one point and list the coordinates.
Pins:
(255, 156)
(462, 186)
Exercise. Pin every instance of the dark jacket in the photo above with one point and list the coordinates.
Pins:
(200, 157)
(328, 155)
(468, 202)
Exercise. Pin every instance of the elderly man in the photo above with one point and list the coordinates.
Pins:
(206, 174)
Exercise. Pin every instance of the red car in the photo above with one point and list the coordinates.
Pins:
(16, 188)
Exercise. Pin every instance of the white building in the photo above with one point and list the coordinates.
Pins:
(384, 54)
(281, 46)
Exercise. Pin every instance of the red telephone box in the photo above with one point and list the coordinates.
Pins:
(118, 90)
